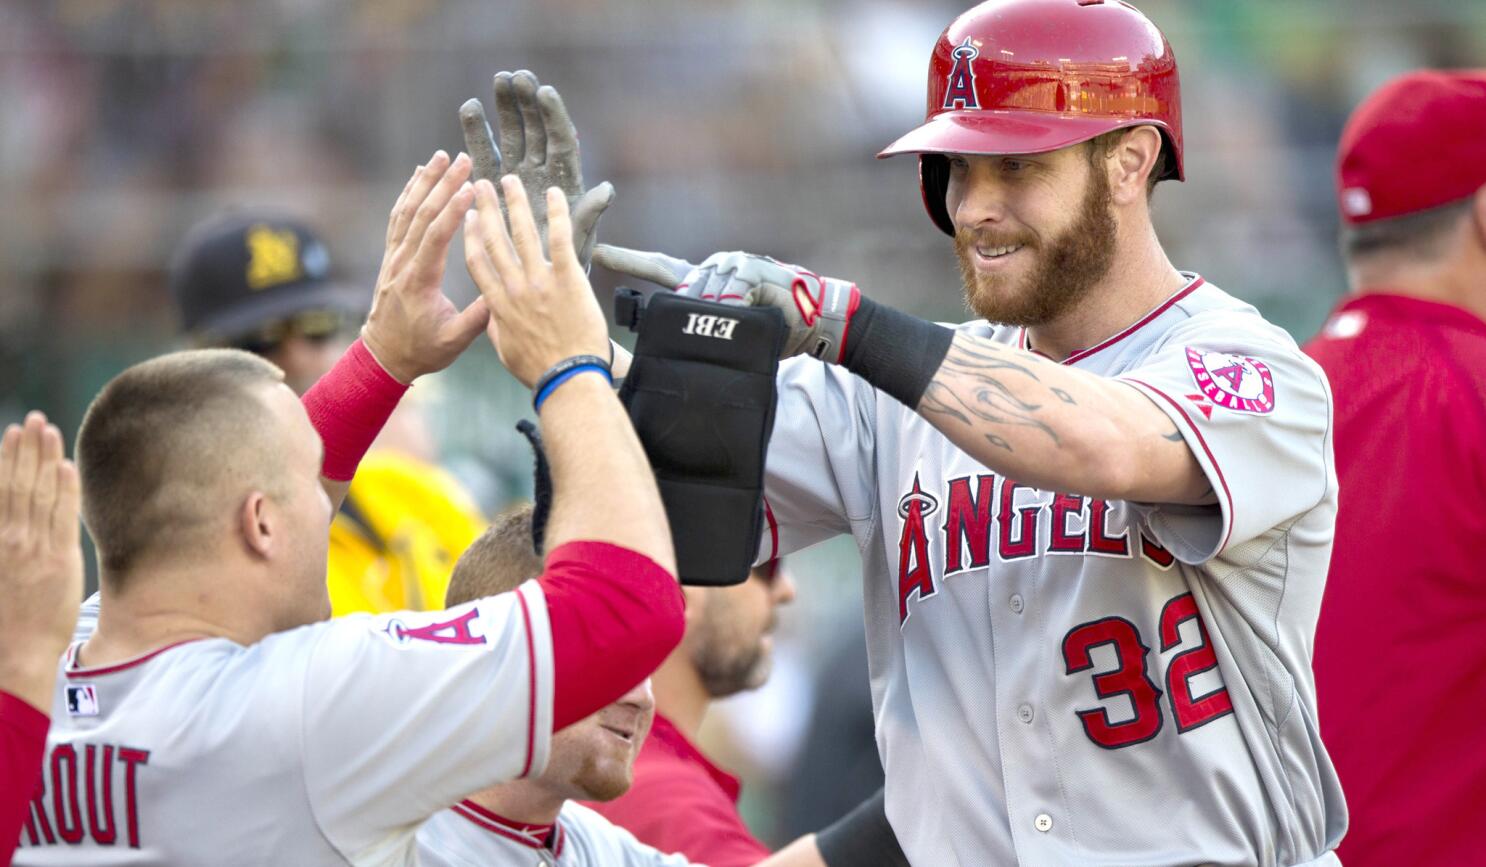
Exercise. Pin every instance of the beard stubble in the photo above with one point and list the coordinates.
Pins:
(1067, 268)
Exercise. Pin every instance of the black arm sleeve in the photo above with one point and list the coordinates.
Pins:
(897, 353)
(862, 838)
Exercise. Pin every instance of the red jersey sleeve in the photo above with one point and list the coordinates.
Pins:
(615, 615)
(22, 744)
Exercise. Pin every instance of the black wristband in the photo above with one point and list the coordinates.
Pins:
(861, 838)
(895, 352)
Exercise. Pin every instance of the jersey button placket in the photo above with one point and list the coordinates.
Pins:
(1016, 603)
(1043, 822)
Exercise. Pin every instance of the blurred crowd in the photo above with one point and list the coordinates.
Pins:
(723, 124)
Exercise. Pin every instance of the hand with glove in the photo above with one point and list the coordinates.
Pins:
(816, 309)
(538, 144)
(828, 319)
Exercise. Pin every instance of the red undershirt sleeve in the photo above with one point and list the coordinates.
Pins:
(22, 745)
(615, 614)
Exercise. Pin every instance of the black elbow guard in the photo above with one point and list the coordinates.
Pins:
(701, 394)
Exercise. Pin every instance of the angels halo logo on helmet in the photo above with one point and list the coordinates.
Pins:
(1031, 76)
(959, 90)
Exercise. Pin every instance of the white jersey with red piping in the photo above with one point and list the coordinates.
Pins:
(1064, 680)
(467, 835)
(326, 744)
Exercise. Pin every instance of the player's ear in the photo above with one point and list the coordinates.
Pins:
(255, 525)
(1134, 158)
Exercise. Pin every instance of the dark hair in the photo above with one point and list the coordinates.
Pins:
(1419, 235)
(500, 560)
(155, 442)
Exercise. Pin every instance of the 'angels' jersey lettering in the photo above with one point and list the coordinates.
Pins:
(1065, 680)
(327, 744)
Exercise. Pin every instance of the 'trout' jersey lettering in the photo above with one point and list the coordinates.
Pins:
(93, 782)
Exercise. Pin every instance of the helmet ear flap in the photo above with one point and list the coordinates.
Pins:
(933, 183)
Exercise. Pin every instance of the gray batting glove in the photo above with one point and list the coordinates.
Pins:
(539, 144)
(816, 309)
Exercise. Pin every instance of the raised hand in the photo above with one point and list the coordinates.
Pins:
(41, 560)
(540, 312)
(413, 327)
(539, 144)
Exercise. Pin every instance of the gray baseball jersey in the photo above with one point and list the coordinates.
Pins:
(1063, 680)
(467, 835)
(327, 744)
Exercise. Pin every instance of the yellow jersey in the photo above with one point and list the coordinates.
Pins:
(396, 537)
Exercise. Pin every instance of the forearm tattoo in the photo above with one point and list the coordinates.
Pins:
(992, 387)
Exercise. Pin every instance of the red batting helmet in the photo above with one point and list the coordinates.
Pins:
(1030, 76)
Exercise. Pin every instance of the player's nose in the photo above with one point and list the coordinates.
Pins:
(783, 588)
(978, 199)
(641, 698)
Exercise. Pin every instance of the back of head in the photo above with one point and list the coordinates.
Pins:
(1410, 161)
(167, 447)
(500, 560)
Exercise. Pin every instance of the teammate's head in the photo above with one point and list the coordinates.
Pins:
(592, 759)
(1049, 123)
(729, 630)
(1411, 178)
(206, 457)
(498, 561)
(1033, 76)
(263, 282)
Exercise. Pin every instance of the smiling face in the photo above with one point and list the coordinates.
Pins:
(594, 759)
(1034, 233)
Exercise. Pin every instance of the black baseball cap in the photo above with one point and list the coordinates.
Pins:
(239, 271)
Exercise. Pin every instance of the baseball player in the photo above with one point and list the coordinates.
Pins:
(681, 800)
(210, 718)
(1406, 352)
(593, 759)
(596, 760)
(1096, 519)
(41, 580)
(486, 829)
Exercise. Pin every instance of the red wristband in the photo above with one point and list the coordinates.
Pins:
(349, 406)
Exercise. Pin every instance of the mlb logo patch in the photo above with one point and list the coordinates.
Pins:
(82, 700)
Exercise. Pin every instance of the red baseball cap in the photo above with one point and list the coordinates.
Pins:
(1416, 143)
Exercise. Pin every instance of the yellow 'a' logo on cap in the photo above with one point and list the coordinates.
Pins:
(273, 257)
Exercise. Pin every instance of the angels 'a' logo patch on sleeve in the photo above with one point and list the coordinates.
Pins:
(434, 627)
(1234, 382)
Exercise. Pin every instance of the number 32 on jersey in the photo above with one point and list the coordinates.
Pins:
(1130, 677)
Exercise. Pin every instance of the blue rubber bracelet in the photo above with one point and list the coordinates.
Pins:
(551, 385)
